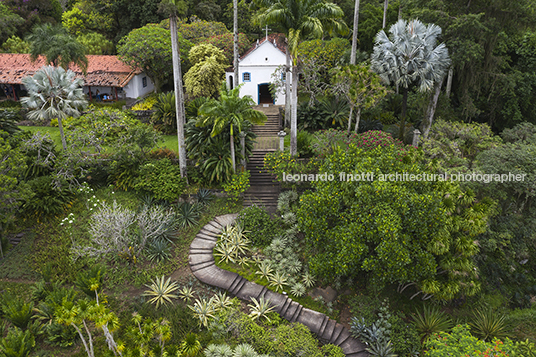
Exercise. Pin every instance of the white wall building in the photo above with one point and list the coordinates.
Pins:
(256, 67)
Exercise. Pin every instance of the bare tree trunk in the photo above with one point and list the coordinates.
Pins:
(235, 40)
(434, 97)
(350, 119)
(385, 6)
(233, 152)
(354, 34)
(449, 81)
(243, 148)
(357, 117)
(403, 115)
(179, 95)
(287, 90)
(88, 351)
(294, 116)
(62, 135)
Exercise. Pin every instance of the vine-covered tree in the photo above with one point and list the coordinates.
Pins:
(205, 76)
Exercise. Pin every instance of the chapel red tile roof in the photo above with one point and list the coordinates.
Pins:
(278, 39)
(105, 71)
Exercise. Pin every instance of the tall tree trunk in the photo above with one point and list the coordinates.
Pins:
(449, 81)
(357, 117)
(294, 110)
(354, 34)
(287, 89)
(403, 114)
(179, 95)
(243, 149)
(235, 41)
(88, 351)
(62, 135)
(385, 6)
(350, 119)
(233, 152)
(434, 97)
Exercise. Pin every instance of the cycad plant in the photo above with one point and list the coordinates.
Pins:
(431, 321)
(190, 347)
(164, 117)
(17, 343)
(260, 308)
(17, 311)
(161, 291)
(488, 324)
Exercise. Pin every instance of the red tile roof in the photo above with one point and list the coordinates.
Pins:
(278, 38)
(105, 71)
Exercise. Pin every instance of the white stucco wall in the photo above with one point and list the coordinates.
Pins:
(261, 64)
(134, 88)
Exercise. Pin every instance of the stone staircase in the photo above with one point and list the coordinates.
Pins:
(263, 190)
(204, 268)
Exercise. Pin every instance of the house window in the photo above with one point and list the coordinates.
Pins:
(246, 77)
(144, 82)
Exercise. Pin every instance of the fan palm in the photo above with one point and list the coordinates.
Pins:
(410, 56)
(229, 109)
(300, 19)
(54, 93)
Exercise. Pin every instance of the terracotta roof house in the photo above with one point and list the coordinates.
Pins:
(256, 66)
(106, 74)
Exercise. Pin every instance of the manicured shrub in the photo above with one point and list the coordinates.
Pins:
(162, 179)
(261, 226)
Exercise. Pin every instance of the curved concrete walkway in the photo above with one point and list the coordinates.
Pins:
(204, 268)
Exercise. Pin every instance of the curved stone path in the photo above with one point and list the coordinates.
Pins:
(204, 268)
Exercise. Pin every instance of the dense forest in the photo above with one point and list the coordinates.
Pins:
(492, 44)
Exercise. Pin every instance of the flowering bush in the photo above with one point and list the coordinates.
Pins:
(460, 343)
(237, 185)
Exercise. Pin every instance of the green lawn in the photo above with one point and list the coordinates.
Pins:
(170, 141)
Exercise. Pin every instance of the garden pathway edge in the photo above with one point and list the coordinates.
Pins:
(204, 268)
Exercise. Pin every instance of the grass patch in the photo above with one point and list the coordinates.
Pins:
(170, 142)
(16, 261)
(523, 322)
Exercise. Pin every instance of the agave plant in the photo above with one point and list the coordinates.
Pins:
(221, 301)
(204, 197)
(161, 291)
(278, 244)
(239, 243)
(226, 252)
(278, 281)
(260, 308)
(265, 269)
(187, 214)
(487, 325)
(298, 290)
(186, 293)
(244, 350)
(308, 280)
(294, 266)
(158, 250)
(382, 349)
(203, 309)
(431, 321)
(226, 233)
(243, 261)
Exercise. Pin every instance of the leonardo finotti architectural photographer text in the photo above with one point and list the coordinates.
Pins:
(404, 176)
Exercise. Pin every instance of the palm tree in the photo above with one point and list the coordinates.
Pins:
(229, 109)
(54, 93)
(57, 45)
(409, 57)
(171, 8)
(300, 19)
